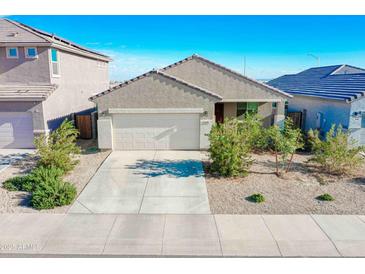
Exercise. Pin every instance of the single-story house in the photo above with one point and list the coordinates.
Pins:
(175, 107)
(328, 95)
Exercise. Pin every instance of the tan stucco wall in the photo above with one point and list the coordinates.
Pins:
(156, 91)
(220, 81)
(79, 79)
(24, 71)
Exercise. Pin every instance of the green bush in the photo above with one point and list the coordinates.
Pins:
(42, 174)
(257, 198)
(254, 132)
(229, 148)
(29, 182)
(325, 197)
(284, 142)
(59, 147)
(16, 183)
(336, 154)
(52, 193)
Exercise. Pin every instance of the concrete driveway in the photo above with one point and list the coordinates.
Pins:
(147, 182)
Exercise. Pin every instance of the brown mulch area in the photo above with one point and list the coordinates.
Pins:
(18, 202)
(294, 194)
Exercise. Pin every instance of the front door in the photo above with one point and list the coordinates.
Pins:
(219, 112)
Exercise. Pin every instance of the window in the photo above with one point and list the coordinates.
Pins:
(12, 53)
(55, 62)
(274, 105)
(363, 120)
(31, 53)
(246, 107)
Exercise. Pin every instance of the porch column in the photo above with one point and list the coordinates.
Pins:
(279, 116)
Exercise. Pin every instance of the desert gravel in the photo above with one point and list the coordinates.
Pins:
(294, 194)
(18, 202)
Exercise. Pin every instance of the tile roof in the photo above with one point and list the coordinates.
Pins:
(45, 37)
(340, 82)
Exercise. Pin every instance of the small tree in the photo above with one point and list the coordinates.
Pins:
(59, 147)
(337, 153)
(229, 148)
(284, 142)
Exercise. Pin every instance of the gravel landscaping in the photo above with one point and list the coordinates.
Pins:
(294, 194)
(18, 202)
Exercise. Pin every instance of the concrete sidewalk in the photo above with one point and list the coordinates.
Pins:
(183, 235)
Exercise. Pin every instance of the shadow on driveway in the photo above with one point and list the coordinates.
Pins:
(180, 168)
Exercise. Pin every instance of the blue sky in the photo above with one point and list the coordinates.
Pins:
(272, 45)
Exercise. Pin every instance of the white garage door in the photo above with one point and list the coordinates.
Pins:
(156, 131)
(16, 130)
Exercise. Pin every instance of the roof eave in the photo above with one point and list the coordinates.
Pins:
(85, 52)
(82, 53)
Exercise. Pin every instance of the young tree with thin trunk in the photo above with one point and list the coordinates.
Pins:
(285, 142)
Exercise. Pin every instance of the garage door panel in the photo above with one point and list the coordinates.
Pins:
(16, 130)
(156, 131)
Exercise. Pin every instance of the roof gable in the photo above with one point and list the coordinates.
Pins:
(227, 83)
(160, 74)
(11, 33)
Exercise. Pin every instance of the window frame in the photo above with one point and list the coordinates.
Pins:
(363, 119)
(52, 62)
(247, 107)
(29, 56)
(8, 56)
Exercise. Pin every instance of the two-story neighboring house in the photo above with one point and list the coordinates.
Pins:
(43, 80)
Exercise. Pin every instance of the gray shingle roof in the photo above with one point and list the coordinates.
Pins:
(339, 82)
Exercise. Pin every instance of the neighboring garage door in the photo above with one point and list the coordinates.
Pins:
(16, 130)
(156, 131)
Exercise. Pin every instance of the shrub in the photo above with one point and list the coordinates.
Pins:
(285, 142)
(336, 154)
(229, 148)
(53, 192)
(58, 148)
(254, 132)
(29, 182)
(257, 198)
(43, 174)
(325, 197)
(16, 183)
